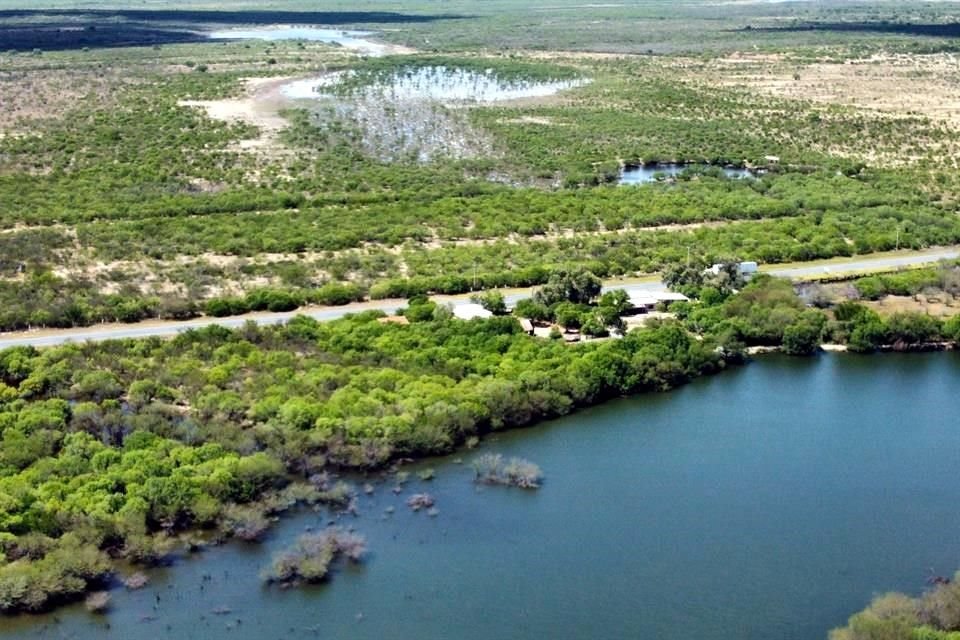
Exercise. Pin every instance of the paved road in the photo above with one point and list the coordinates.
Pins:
(167, 329)
(877, 263)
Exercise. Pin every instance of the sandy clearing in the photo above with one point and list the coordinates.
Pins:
(941, 305)
(925, 84)
(260, 107)
(543, 120)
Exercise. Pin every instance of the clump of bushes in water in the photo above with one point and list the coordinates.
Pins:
(933, 616)
(311, 557)
(250, 522)
(97, 602)
(136, 581)
(491, 468)
(420, 501)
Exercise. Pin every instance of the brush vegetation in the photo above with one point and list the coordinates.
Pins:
(110, 450)
(311, 559)
(492, 468)
(935, 615)
(164, 214)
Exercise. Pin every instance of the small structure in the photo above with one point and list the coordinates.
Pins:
(470, 310)
(646, 301)
(746, 269)
(394, 320)
(526, 325)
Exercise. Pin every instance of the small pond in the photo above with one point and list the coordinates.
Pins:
(642, 174)
(354, 40)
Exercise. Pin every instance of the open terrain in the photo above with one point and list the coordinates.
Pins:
(227, 186)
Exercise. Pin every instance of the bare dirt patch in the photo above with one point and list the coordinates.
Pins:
(542, 120)
(917, 95)
(260, 106)
(896, 84)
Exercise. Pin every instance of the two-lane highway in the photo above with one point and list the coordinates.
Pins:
(160, 328)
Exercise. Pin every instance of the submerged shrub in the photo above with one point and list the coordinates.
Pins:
(136, 581)
(248, 523)
(491, 468)
(420, 501)
(97, 602)
(311, 557)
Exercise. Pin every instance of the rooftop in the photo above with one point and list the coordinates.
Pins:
(470, 310)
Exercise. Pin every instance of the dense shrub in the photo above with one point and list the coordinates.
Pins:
(311, 557)
(491, 468)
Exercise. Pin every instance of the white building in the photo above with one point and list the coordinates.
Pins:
(469, 311)
(645, 301)
(746, 269)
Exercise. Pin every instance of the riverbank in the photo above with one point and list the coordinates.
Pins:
(686, 494)
(947, 345)
(357, 394)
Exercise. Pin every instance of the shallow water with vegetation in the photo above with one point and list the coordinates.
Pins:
(436, 83)
(355, 40)
(769, 501)
(416, 111)
(641, 174)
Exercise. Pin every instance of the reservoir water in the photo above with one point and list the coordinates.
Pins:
(770, 501)
(354, 40)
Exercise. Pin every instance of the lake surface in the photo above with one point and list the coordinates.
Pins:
(770, 501)
(652, 173)
(354, 40)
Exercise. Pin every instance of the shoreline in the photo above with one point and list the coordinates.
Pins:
(395, 464)
(924, 347)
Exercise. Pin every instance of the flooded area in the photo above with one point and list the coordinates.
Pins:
(353, 40)
(448, 85)
(642, 174)
(735, 508)
(416, 112)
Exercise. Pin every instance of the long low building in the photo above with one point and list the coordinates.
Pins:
(648, 300)
(469, 311)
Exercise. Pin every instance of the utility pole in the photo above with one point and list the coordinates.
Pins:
(898, 237)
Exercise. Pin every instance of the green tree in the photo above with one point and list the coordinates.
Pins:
(492, 301)
(533, 309)
(577, 285)
(804, 335)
